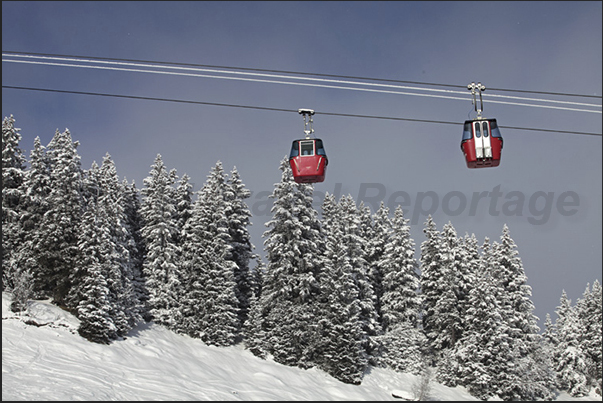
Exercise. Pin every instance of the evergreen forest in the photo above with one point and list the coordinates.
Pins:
(339, 289)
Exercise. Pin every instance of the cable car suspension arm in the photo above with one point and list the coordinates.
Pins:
(307, 114)
(475, 88)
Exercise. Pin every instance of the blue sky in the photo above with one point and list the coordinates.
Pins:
(548, 184)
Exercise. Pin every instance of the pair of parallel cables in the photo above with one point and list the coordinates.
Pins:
(291, 78)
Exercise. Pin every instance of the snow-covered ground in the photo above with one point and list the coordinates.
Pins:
(50, 361)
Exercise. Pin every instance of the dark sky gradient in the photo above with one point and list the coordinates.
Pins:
(531, 46)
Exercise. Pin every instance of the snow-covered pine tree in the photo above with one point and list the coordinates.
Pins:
(441, 285)
(95, 320)
(193, 273)
(120, 281)
(91, 191)
(340, 341)
(470, 266)
(92, 183)
(159, 232)
(184, 205)
(403, 341)
(549, 342)
(511, 275)
(59, 227)
(477, 359)
(22, 289)
(36, 188)
(538, 382)
(403, 346)
(239, 219)
(570, 359)
(133, 224)
(209, 303)
(431, 283)
(290, 287)
(106, 256)
(13, 176)
(589, 312)
(376, 233)
(90, 293)
(400, 301)
(517, 312)
(354, 241)
(253, 336)
(549, 335)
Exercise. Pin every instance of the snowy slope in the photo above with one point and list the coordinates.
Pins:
(52, 362)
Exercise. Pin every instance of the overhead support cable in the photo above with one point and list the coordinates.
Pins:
(298, 73)
(262, 80)
(282, 109)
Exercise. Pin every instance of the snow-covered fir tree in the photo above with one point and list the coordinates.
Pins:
(589, 309)
(58, 230)
(400, 301)
(238, 216)
(209, 306)
(92, 183)
(159, 232)
(352, 238)
(135, 245)
(570, 361)
(290, 288)
(548, 344)
(16, 276)
(475, 360)
(90, 293)
(549, 336)
(403, 348)
(441, 285)
(377, 232)
(517, 312)
(339, 349)
(36, 188)
(21, 289)
(575, 341)
(106, 257)
(253, 336)
(430, 283)
(510, 274)
(13, 175)
(469, 263)
(449, 308)
(121, 280)
(403, 341)
(184, 205)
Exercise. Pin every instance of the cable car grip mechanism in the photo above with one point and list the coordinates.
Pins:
(477, 88)
(307, 115)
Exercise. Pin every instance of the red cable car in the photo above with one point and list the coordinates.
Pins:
(482, 143)
(308, 160)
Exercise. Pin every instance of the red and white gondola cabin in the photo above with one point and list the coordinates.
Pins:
(482, 143)
(308, 161)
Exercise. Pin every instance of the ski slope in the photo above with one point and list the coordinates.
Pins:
(50, 361)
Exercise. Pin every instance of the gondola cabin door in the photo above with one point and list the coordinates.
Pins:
(482, 143)
(308, 161)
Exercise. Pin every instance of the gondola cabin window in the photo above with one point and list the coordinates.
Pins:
(307, 147)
